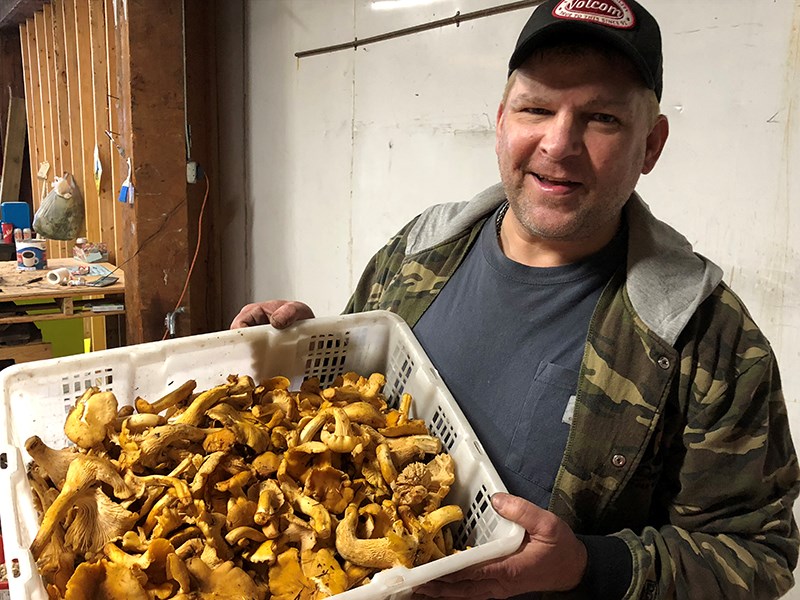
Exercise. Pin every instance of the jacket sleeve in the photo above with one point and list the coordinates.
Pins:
(730, 532)
(380, 270)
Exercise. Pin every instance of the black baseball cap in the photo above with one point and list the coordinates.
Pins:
(622, 24)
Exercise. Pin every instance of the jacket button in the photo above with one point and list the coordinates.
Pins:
(619, 460)
(663, 362)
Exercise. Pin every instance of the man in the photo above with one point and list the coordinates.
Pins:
(629, 402)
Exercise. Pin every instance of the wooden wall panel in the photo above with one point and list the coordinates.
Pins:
(92, 66)
(72, 83)
(33, 101)
(60, 108)
(70, 70)
(42, 111)
(84, 90)
(119, 167)
(70, 73)
(97, 29)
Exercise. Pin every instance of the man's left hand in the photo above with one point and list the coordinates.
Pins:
(550, 559)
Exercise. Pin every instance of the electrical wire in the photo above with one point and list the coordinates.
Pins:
(167, 217)
(196, 252)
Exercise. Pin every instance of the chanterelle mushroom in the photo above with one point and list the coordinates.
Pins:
(224, 582)
(103, 580)
(324, 571)
(55, 463)
(397, 548)
(249, 430)
(411, 486)
(412, 447)
(88, 422)
(344, 438)
(84, 472)
(193, 415)
(286, 578)
(97, 521)
(174, 397)
(331, 487)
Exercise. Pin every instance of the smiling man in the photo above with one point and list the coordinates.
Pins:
(628, 400)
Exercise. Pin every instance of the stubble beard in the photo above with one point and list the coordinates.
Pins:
(541, 220)
(525, 209)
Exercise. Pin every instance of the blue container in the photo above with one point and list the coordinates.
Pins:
(17, 213)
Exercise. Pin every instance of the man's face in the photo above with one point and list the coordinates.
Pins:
(573, 136)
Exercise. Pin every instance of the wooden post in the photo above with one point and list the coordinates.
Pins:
(206, 305)
(152, 115)
(13, 151)
(31, 92)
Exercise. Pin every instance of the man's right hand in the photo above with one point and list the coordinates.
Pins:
(278, 313)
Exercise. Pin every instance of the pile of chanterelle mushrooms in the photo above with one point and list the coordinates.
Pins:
(241, 491)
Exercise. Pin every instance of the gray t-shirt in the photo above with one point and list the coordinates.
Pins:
(508, 340)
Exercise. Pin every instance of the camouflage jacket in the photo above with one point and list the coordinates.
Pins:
(679, 444)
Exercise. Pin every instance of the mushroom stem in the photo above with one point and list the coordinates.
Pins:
(405, 407)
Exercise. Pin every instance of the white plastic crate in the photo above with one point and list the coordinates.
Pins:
(37, 396)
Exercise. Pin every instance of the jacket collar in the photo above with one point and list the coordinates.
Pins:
(666, 280)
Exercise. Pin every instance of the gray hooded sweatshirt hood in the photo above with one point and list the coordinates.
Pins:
(666, 279)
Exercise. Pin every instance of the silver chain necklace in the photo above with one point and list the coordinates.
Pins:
(500, 215)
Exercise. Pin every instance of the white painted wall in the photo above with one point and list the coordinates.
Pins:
(334, 153)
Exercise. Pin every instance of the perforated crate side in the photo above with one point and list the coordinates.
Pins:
(399, 367)
(40, 408)
(480, 521)
(326, 356)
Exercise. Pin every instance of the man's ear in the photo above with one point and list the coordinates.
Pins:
(498, 125)
(656, 140)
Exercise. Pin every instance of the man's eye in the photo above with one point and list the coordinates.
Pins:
(604, 118)
(535, 110)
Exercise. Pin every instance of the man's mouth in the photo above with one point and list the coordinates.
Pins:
(555, 181)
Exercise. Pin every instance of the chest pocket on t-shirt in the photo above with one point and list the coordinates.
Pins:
(540, 436)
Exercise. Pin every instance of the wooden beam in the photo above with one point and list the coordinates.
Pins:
(56, 248)
(61, 124)
(72, 123)
(119, 169)
(29, 96)
(97, 29)
(13, 151)
(44, 39)
(35, 112)
(84, 93)
(205, 297)
(152, 108)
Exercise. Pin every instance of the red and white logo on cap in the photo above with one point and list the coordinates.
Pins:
(611, 13)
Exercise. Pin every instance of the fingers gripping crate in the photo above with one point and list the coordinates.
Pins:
(37, 396)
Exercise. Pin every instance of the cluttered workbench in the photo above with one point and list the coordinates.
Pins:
(28, 296)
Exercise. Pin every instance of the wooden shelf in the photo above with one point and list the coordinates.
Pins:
(26, 352)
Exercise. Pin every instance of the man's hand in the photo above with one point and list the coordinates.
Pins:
(550, 558)
(278, 313)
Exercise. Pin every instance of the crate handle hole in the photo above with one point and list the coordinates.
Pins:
(3, 461)
(15, 570)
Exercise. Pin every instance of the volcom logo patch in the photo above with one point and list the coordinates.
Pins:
(612, 13)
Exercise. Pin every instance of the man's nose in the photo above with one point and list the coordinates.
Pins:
(562, 137)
